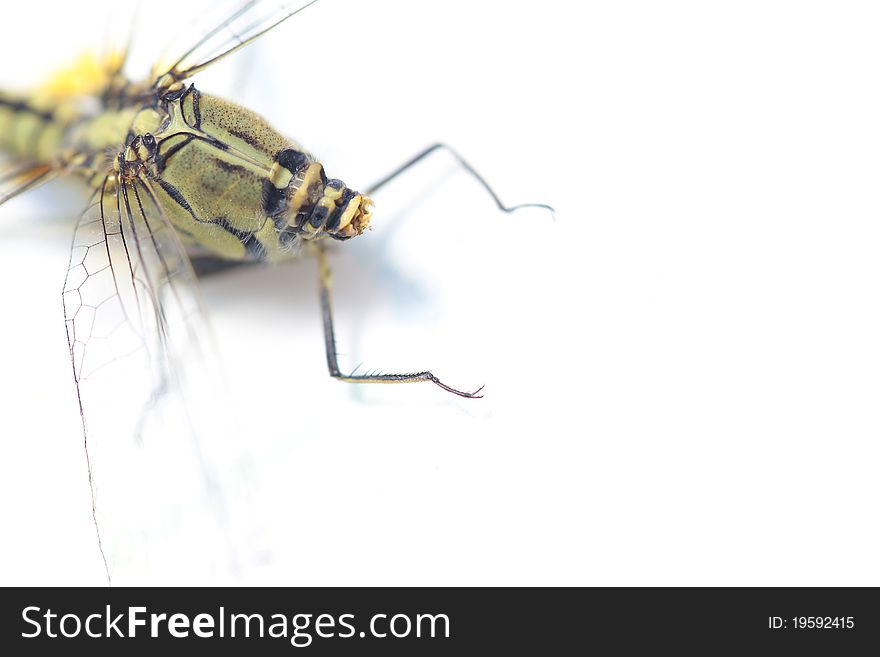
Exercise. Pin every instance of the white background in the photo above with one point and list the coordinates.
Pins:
(682, 371)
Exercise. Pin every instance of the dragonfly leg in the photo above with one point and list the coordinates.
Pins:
(465, 165)
(330, 344)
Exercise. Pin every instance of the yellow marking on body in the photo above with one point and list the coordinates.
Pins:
(303, 184)
(332, 193)
(361, 206)
(280, 176)
(87, 75)
(348, 214)
(147, 120)
(167, 82)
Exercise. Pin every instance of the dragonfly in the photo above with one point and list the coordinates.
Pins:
(182, 184)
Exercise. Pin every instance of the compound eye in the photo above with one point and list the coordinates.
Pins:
(149, 141)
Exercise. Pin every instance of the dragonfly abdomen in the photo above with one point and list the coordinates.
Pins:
(58, 133)
(30, 129)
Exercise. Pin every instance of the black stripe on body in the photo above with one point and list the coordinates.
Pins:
(119, 92)
(229, 167)
(288, 236)
(197, 97)
(162, 158)
(252, 245)
(341, 204)
(291, 160)
(247, 138)
(209, 265)
(192, 94)
(319, 216)
(19, 105)
(178, 198)
(274, 203)
(274, 199)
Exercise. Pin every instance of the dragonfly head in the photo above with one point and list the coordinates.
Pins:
(137, 157)
(312, 205)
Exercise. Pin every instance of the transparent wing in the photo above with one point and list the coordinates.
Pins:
(161, 462)
(228, 34)
(18, 178)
